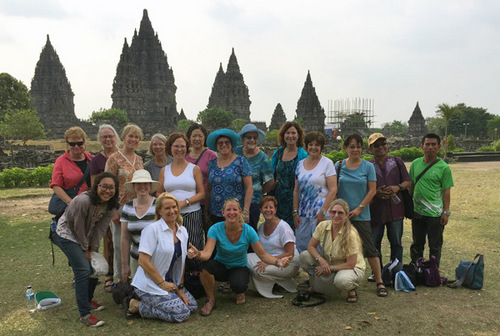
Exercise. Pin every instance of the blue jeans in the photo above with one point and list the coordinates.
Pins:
(394, 235)
(84, 284)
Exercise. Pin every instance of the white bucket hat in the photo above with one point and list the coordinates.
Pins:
(141, 176)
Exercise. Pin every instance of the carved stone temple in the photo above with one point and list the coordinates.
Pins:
(52, 95)
(278, 118)
(229, 91)
(309, 108)
(416, 123)
(144, 85)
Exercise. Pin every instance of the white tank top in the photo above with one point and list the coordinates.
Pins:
(182, 186)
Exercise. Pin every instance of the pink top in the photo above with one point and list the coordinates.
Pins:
(203, 164)
(66, 174)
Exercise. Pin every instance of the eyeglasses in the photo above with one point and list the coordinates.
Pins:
(355, 147)
(106, 187)
(223, 142)
(250, 137)
(377, 145)
(78, 143)
(334, 212)
(107, 137)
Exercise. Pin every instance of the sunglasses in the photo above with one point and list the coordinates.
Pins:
(377, 145)
(78, 143)
(250, 137)
(224, 142)
(334, 212)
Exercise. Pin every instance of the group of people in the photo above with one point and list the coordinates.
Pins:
(215, 207)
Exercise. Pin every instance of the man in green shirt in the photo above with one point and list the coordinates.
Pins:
(431, 199)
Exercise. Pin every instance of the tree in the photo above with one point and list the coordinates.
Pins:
(22, 124)
(396, 128)
(446, 112)
(116, 117)
(493, 124)
(272, 136)
(14, 95)
(238, 124)
(353, 123)
(183, 125)
(214, 118)
(474, 118)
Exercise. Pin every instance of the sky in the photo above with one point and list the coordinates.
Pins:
(394, 52)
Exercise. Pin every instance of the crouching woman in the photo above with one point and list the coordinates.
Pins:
(159, 281)
(340, 266)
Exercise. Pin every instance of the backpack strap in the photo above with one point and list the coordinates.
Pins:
(425, 170)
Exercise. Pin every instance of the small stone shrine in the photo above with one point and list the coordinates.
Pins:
(416, 124)
(309, 108)
(229, 91)
(144, 85)
(278, 118)
(52, 95)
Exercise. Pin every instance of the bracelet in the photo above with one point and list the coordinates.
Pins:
(245, 211)
(400, 186)
(361, 206)
(321, 211)
(159, 283)
(187, 202)
(181, 286)
(317, 258)
(276, 262)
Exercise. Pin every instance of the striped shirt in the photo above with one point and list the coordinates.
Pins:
(135, 224)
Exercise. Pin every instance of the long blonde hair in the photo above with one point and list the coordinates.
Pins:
(159, 203)
(234, 200)
(349, 235)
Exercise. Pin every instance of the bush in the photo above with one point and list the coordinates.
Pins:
(335, 155)
(19, 178)
(367, 157)
(458, 150)
(450, 143)
(408, 154)
(486, 149)
(496, 145)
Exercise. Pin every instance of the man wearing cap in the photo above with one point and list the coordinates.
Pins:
(431, 183)
(262, 171)
(387, 208)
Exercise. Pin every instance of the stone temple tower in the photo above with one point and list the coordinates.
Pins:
(278, 118)
(309, 108)
(229, 91)
(51, 93)
(144, 85)
(416, 124)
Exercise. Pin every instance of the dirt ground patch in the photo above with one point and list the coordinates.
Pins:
(32, 207)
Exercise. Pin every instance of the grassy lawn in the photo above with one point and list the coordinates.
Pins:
(473, 228)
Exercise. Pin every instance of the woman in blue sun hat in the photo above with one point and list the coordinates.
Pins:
(262, 171)
(229, 175)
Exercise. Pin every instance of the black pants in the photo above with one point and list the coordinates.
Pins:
(430, 227)
(238, 277)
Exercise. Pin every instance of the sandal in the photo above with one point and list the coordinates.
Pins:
(224, 288)
(352, 296)
(207, 308)
(108, 285)
(240, 298)
(129, 314)
(304, 283)
(382, 291)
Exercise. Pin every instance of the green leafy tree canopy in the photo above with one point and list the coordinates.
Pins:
(183, 125)
(22, 124)
(214, 118)
(114, 116)
(238, 124)
(14, 95)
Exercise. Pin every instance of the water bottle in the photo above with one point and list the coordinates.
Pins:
(30, 300)
(396, 199)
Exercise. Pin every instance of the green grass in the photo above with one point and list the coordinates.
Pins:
(473, 228)
(20, 193)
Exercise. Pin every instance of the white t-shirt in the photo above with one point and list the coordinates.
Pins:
(182, 186)
(312, 186)
(274, 244)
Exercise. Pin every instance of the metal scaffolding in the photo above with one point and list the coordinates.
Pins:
(361, 111)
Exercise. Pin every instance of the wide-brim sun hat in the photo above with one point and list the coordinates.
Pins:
(252, 128)
(232, 135)
(141, 176)
(374, 137)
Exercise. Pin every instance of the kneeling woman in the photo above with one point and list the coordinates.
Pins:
(160, 277)
(232, 238)
(277, 239)
(340, 266)
(79, 231)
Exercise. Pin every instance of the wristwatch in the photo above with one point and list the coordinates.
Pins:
(447, 213)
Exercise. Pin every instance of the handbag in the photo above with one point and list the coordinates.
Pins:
(428, 272)
(57, 205)
(99, 265)
(469, 274)
(390, 270)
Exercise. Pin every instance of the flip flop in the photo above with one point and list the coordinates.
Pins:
(210, 307)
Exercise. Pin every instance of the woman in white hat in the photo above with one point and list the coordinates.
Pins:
(262, 171)
(136, 215)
